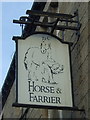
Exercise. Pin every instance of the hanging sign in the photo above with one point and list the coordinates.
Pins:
(43, 71)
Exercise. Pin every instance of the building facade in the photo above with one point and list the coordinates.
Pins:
(79, 60)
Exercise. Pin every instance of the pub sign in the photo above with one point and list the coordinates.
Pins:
(43, 71)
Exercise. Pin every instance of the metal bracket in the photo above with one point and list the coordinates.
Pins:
(78, 25)
(66, 21)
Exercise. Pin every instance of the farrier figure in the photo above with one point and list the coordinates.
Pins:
(43, 68)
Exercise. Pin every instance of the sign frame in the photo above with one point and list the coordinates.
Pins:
(16, 104)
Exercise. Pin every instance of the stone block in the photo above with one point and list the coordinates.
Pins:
(80, 75)
(81, 92)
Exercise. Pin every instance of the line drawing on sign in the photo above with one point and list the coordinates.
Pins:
(42, 68)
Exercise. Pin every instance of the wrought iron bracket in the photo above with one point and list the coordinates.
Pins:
(62, 21)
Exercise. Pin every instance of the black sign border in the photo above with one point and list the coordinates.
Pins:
(16, 104)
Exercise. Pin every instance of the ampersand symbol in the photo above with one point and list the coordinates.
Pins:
(58, 90)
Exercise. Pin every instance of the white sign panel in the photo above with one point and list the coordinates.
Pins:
(43, 71)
